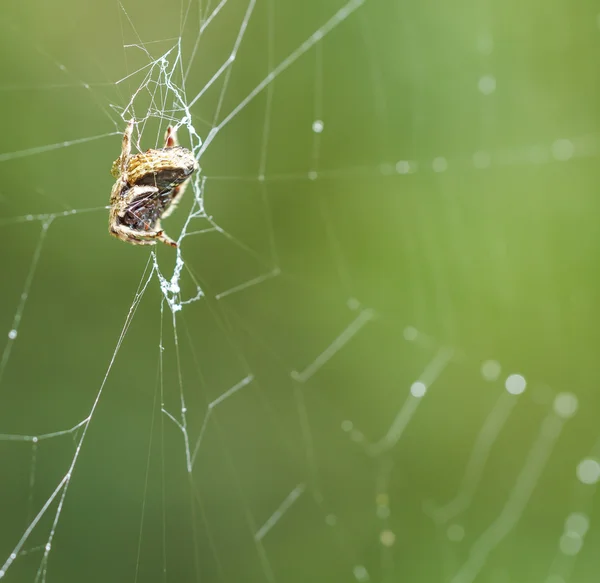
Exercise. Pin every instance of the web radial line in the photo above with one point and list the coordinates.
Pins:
(170, 90)
(384, 513)
(198, 190)
(51, 86)
(160, 107)
(239, 243)
(143, 86)
(125, 60)
(212, 80)
(431, 373)
(338, 535)
(377, 85)
(128, 320)
(150, 66)
(267, 132)
(12, 335)
(148, 459)
(202, 29)
(211, 406)
(479, 455)
(49, 147)
(65, 481)
(32, 472)
(178, 92)
(332, 23)
(17, 549)
(162, 81)
(157, 87)
(309, 444)
(317, 112)
(232, 57)
(182, 94)
(183, 423)
(196, 550)
(211, 541)
(225, 326)
(355, 326)
(251, 522)
(336, 249)
(281, 510)
(183, 17)
(134, 29)
(508, 518)
(79, 82)
(249, 283)
(265, 563)
(162, 446)
(270, 89)
(226, 65)
(269, 223)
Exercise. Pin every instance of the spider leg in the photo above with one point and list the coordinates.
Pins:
(126, 146)
(120, 164)
(139, 237)
(171, 137)
(164, 238)
(132, 236)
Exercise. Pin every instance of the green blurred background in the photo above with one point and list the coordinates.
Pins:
(456, 192)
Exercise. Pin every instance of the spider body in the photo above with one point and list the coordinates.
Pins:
(148, 187)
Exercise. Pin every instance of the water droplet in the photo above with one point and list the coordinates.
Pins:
(490, 370)
(387, 538)
(515, 384)
(588, 471)
(318, 126)
(565, 405)
(418, 389)
(487, 84)
(563, 150)
(439, 164)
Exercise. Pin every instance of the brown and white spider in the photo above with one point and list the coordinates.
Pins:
(149, 185)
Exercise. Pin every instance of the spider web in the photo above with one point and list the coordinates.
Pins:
(372, 355)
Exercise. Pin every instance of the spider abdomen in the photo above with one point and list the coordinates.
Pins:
(165, 179)
(165, 168)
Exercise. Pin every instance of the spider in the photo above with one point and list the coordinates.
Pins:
(149, 185)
